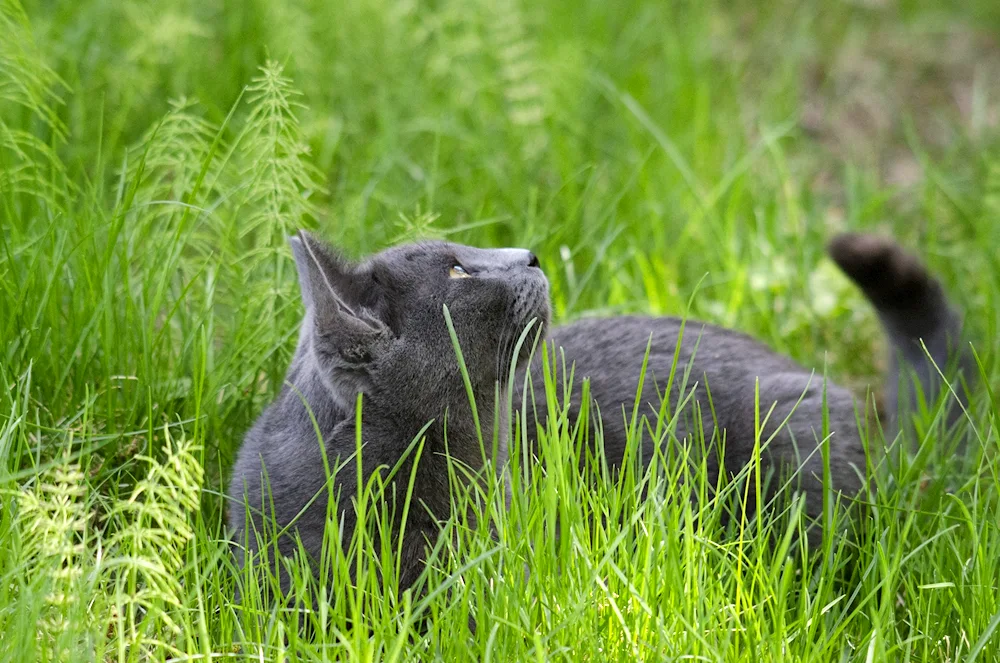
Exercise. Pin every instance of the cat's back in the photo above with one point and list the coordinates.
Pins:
(693, 356)
(601, 346)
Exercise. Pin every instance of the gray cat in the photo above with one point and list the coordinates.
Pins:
(378, 328)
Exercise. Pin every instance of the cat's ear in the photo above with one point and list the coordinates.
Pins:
(329, 285)
(321, 271)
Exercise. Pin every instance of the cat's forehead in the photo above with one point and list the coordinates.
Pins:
(436, 252)
(417, 252)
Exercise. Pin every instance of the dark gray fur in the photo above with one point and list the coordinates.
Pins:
(377, 328)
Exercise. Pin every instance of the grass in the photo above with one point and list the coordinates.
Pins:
(154, 157)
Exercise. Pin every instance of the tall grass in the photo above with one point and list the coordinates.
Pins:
(154, 157)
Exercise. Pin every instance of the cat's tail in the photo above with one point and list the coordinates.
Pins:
(915, 314)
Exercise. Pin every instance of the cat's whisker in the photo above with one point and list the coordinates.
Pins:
(501, 350)
(503, 345)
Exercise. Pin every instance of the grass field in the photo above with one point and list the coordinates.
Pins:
(662, 157)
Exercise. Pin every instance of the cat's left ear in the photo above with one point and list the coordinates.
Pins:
(322, 272)
(330, 291)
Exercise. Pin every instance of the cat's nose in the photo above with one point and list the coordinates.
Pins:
(497, 260)
(525, 258)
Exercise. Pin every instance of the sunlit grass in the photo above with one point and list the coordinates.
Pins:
(657, 157)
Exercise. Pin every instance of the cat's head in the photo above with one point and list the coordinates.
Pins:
(378, 326)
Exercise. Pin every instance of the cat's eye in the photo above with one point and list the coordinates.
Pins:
(458, 272)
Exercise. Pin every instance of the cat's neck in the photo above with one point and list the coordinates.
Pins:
(448, 428)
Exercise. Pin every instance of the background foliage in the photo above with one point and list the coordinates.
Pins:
(153, 157)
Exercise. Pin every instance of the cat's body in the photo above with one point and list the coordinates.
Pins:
(713, 387)
(378, 329)
(736, 393)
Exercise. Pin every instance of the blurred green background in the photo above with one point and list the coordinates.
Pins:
(154, 156)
